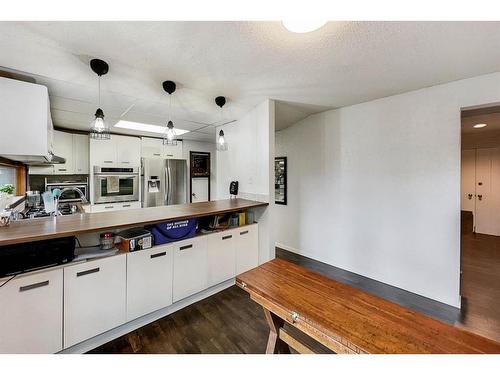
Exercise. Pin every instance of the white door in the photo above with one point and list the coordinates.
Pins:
(81, 153)
(63, 146)
(102, 152)
(468, 180)
(487, 191)
(199, 189)
(190, 267)
(31, 313)
(149, 280)
(151, 147)
(94, 298)
(221, 256)
(128, 151)
(247, 248)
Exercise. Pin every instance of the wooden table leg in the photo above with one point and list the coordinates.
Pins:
(274, 344)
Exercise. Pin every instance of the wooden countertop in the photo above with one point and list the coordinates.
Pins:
(54, 227)
(348, 320)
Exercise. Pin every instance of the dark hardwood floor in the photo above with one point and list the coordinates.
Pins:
(229, 322)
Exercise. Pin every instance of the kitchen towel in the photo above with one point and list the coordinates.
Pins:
(113, 184)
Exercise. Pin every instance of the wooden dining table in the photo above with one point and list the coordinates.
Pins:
(345, 319)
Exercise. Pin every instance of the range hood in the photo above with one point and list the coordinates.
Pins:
(26, 133)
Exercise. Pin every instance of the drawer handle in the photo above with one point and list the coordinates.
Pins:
(62, 169)
(126, 205)
(163, 253)
(185, 247)
(244, 232)
(108, 161)
(34, 286)
(227, 237)
(109, 206)
(170, 155)
(125, 162)
(157, 154)
(88, 272)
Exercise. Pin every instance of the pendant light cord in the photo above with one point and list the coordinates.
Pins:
(99, 90)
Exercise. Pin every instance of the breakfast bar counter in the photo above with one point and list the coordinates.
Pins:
(72, 225)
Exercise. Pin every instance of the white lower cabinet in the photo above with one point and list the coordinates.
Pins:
(190, 267)
(247, 248)
(149, 280)
(106, 207)
(221, 257)
(31, 312)
(94, 298)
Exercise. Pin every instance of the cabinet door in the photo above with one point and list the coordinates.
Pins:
(221, 256)
(43, 170)
(102, 152)
(151, 148)
(81, 153)
(190, 267)
(173, 151)
(94, 298)
(247, 248)
(31, 313)
(128, 151)
(149, 280)
(63, 146)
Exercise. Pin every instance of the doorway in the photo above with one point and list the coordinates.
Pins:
(480, 213)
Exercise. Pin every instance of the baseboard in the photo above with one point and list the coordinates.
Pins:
(110, 335)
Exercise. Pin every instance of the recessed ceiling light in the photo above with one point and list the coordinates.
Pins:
(478, 126)
(149, 128)
(302, 26)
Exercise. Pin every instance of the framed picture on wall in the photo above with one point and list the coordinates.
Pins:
(280, 180)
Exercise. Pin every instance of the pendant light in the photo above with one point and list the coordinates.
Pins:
(169, 136)
(221, 140)
(99, 129)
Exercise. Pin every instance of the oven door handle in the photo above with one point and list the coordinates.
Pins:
(104, 175)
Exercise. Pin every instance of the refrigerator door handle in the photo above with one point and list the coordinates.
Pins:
(167, 185)
(170, 181)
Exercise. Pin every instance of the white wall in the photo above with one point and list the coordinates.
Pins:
(374, 188)
(249, 160)
(188, 146)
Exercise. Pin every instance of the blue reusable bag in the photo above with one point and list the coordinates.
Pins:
(173, 231)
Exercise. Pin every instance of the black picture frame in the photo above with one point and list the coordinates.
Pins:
(280, 180)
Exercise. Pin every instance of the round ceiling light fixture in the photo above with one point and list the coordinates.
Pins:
(479, 126)
(303, 26)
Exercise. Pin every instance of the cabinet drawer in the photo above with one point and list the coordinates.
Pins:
(221, 256)
(247, 248)
(94, 298)
(149, 280)
(190, 267)
(31, 313)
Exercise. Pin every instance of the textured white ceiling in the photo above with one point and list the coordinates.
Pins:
(343, 63)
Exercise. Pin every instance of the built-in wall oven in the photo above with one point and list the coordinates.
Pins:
(113, 184)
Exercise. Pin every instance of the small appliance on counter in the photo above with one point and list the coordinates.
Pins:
(134, 239)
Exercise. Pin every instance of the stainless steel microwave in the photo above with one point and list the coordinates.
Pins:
(115, 184)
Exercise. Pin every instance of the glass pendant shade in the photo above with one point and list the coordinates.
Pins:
(221, 142)
(169, 138)
(98, 128)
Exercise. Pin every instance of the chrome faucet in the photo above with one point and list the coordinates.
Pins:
(73, 188)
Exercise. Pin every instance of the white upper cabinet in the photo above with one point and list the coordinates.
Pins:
(128, 151)
(151, 148)
(74, 148)
(119, 151)
(173, 151)
(154, 148)
(81, 153)
(63, 146)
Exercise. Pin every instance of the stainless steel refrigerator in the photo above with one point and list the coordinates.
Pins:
(164, 182)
